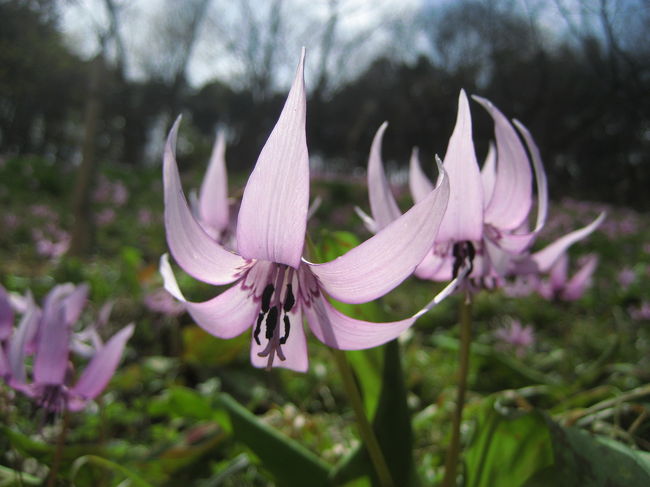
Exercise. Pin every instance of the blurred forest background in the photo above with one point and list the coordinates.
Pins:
(102, 80)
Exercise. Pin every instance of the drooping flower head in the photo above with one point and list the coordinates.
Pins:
(273, 286)
(48, 335)
(485, 229)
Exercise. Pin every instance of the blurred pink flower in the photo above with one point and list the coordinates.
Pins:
(626, 277)
(515, 336)
(120, 193)
(105, 216)
(53, 243)
(145, 216)
(641, 312)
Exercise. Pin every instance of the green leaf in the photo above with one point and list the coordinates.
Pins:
(106, 464)
(585, 459)
(10, 476)
(507, 449)
(529, 449)
(182, 402)
(289, 462)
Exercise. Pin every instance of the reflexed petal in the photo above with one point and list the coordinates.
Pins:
(515, 243)
(75, 302)
(6, 315)
(102, 367)
(382, 262)
(273, 213)
(464, 217)
(576, 286)
(500, 261)
(512, 195)
(295, 350)
(488, 174)
(546, 257)
(540, 176)
(368, 222)
(51, 361)
(431, 266)
(419, 183)
(197, 253)
(559, 272)
(383, 206)
(213, 196)
(224, 316)
(441, 274)
(18, 346)
(337, 330)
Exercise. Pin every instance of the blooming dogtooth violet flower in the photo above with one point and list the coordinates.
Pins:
(47, 335)
(274, 287)
(485, 222)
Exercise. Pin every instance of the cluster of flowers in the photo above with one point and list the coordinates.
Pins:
(471, 227)
(35, 355)
(51, 240)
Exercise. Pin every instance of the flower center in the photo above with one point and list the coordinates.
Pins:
(277, 301)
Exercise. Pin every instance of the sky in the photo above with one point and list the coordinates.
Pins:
(82, 19)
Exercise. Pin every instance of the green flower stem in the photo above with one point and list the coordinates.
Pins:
(58, 453)
(365, 429)
(451, 462)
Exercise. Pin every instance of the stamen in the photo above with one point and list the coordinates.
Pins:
(266, 297)
(289, 299)
(271, 322)
(258, 328)
(275, 306)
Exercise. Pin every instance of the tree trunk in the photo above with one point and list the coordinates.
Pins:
(83, 228)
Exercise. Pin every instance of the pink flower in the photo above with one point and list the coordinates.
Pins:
(484, 225)
(105, 217)
(515, 336)
(47, 335)
(641, 312)
(626, 277)
(273, 285)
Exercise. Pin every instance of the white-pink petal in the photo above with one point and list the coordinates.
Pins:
(225, 316)
(464, 217)
(101, 368)
(51, 360)
(213, 195)
(512, 194)
(576, 286)
(419, 183)
(273, 213)
(379, 264)
(194, 250)
(383, 206)
(488, 173)
(339, 331)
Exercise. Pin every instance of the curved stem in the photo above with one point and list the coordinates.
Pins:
(60, 446)
(365, 429)
(453, 453)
